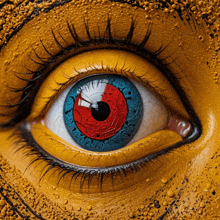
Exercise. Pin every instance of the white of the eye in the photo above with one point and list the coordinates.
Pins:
(155, 116)
(54, 119)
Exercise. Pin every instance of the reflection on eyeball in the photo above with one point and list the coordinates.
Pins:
(68, 150)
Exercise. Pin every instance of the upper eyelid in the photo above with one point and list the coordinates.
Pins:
(70, 80)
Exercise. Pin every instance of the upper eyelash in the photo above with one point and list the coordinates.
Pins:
(38, 76)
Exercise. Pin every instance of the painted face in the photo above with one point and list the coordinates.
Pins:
(109, 110)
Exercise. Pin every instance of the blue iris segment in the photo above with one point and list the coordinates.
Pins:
(130, 126)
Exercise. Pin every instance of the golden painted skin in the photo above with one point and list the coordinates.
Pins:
(181, 183)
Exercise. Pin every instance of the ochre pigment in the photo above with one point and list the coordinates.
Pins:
(182, 44)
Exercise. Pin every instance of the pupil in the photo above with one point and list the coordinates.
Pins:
(102, 112)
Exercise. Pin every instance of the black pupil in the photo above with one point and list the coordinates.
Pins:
(102, 112)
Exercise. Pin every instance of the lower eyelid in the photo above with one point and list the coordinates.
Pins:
(58, 148)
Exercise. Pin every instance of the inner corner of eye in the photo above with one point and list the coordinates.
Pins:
(157, 116)
(179, 125)
(107, 112)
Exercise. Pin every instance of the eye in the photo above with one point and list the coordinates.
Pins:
(71, 127)
(105, 112)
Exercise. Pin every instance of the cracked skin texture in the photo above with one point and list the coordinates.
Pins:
(181, 184)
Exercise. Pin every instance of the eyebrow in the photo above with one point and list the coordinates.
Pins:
(36, 12)
(5, 36)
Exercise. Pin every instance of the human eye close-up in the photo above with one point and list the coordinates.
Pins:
(109, 109)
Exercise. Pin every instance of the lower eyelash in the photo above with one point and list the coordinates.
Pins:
(23, 138)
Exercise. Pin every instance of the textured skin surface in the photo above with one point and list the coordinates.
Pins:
(183, 183)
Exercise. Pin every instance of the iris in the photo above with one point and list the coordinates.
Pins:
(103, 112)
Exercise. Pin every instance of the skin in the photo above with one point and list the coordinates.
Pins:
(183, 183)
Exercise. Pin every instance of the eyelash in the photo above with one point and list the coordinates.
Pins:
(33, 85)
(24, 138)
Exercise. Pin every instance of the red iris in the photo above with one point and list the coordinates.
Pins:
(103, 118)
